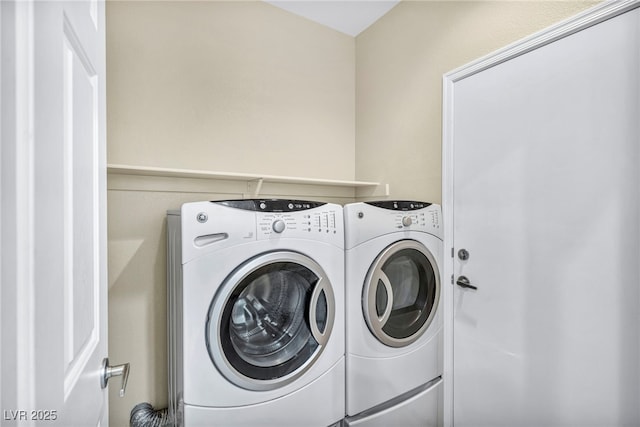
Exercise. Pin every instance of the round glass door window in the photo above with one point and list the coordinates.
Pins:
(276, 317)
(401, 293)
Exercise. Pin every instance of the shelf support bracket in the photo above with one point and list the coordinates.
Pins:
(379, 191)
(253, 188)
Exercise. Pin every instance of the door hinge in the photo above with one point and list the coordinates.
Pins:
(452, 279)
(452, 253)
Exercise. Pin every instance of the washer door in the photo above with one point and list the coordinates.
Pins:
(401, 293)
(271, 320)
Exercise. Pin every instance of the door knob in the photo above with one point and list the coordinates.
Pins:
(464, 282)
(114, 371)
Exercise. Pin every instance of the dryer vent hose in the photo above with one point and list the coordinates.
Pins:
(143, 415)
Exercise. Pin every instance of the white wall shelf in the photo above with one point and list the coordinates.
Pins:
(254, 181)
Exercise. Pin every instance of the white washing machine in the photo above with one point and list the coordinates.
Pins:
(393, 279)
(256, 313)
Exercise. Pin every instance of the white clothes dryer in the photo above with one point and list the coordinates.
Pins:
(393, 279)
(256, 313)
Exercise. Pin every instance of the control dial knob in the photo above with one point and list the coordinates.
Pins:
(278, 226)
(406, 221)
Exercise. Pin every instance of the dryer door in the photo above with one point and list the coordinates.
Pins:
(401, 293)
(271, 320)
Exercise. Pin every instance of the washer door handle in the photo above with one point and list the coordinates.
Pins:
(321, 336)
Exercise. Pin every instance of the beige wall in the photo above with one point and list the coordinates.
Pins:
(400, 63)
(245, 87)
(234, 86)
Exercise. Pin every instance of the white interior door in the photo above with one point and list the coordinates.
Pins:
(54, 287)
(544, 195)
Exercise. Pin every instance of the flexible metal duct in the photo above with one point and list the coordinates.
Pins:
(143, 415)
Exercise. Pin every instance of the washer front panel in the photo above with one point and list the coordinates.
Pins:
(401, 293)
(271, 320)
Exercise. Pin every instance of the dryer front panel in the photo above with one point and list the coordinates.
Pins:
(271, 320)
(401, 293)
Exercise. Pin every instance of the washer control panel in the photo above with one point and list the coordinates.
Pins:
(211, 225)
(300, 219)
(326, 221)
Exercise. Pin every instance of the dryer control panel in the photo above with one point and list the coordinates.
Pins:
(420, 219)
(371, 219)
(409, 213)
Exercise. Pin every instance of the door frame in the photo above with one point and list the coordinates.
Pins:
(579, 22)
